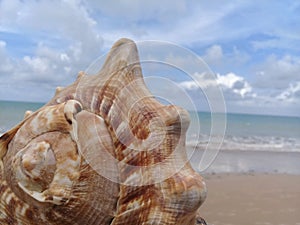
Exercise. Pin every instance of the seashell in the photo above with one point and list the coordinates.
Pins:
(101, 151)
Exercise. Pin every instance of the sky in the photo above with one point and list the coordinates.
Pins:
(253, 47)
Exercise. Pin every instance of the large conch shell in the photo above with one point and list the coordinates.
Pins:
(102, 151)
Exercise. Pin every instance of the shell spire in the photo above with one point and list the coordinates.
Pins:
(102, 151)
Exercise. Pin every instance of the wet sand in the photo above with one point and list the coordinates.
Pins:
(234, 161)
(252, 199)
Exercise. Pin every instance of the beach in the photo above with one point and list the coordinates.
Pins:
(251, 188)
(252, 199)
(254, 178)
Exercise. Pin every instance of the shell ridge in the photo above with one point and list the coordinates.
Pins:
(102, 151)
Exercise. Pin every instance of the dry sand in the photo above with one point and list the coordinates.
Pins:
(252, 199)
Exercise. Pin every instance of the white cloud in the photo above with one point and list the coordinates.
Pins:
(231, 84)
(5, 65)
(291, 94)
(235, 83)
(214, 55)
(224, 61)
(202, 81)
(277, 72)
(2, 44)
(179, 21)
(50, 23)
(65, 41)
(37, 65)
(241, 97)
(63, 37)
(60, 18)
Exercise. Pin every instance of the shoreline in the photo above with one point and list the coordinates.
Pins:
(244, 162)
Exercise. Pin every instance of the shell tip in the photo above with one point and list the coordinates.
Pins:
(27, 114)
(80, 74)
(58, 90)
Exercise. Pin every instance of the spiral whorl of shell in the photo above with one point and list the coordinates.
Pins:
(102, 151)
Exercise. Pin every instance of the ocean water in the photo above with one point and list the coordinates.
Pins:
(251, 143)
(243, 132)
(249, 132)
(11, 113)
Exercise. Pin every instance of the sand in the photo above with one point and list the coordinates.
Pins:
(234, 161)
(252, 199)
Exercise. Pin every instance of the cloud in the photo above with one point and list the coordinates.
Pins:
(281, 27)
(201, 81)
(277, 72)
(45, 43)
(5, 65)
(60, 18)
(241, 96)
(53, 23)
(137, 11)
(276, 43)
(236, 84)
(214, 55)
(223, 61)
(2, 44)
(185, 22)
(64, 41)
(234, 87)
(291, 94)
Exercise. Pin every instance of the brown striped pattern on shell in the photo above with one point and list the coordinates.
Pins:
(102, 151)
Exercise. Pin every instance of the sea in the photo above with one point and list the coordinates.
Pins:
(250, 143)
(248, 132)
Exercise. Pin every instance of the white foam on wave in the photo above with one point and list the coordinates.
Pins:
(250, 143)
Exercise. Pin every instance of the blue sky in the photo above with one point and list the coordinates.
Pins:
(252, 46)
